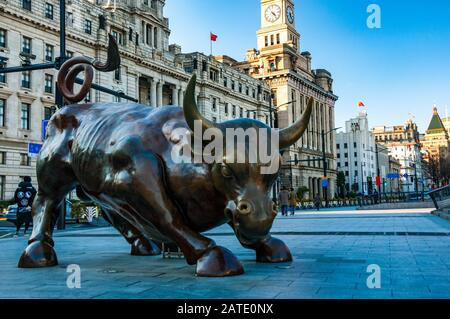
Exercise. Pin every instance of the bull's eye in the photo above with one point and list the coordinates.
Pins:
(226, 172)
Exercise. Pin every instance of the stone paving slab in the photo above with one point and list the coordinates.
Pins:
(324, 266)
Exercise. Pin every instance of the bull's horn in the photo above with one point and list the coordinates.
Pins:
(292, 134)
(191, 112)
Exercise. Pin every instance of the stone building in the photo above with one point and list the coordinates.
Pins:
(152, 71)
(436, 139)
(357, 157)
(279, 61)
(403, 142)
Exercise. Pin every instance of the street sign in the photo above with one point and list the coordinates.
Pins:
(34, 149)
(324, 182)
(44, 129)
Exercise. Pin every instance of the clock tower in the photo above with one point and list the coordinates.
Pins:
(277, 24)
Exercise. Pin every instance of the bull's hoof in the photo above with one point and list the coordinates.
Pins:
(273, 251)
(144, 247)
(218, 262)
(37, 255)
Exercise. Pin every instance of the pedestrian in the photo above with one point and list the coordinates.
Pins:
(317, 202)
(24, 197)
(292, 201)
(283, 198)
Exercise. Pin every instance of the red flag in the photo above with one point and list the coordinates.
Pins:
(262, 65)
(361, 104)
(213, 37)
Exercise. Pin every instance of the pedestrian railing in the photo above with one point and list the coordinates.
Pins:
(441, 197)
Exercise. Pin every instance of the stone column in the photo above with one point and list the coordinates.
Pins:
(175, 96)
(160, 94)
(180, 96)
(153, 85)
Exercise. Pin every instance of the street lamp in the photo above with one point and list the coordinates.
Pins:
(378, 181)
(324, 159)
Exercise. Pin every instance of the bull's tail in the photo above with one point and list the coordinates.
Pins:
(71, 68)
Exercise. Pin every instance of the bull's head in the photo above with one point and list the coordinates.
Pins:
(247, 190)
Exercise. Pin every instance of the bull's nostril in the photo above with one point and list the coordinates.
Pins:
(244, 207)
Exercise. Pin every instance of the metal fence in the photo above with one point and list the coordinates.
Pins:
(441, 197)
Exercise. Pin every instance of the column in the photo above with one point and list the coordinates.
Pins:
(181, 96)
(160, 94)
(153, 85)
(175, 96)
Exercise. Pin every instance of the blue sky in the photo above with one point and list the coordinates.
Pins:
(401, 69)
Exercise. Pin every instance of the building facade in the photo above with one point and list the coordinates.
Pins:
(152, 71)
(403, 142)
(357, 158)
(279, 61)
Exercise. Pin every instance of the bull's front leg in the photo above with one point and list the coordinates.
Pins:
(268, 249)
(156, 207)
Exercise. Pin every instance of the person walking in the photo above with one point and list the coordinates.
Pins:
(24, 197)
(292, 202)
(317, 202)
(283, 198)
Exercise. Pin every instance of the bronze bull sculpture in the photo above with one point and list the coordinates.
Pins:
(119, 156)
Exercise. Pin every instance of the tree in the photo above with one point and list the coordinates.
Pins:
(301, 192)
(341, 183)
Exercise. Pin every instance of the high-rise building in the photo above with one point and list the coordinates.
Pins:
(279, 61)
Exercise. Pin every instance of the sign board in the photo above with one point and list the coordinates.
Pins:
(34, 149)
(378, 181)
(44, 129)
(324, 182)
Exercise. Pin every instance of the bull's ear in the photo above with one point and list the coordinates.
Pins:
(191, 112)
(293, 133)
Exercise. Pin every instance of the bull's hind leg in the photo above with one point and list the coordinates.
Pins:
(140, 245)
(55, 179)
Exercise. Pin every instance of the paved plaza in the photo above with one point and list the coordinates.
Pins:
(332, 251)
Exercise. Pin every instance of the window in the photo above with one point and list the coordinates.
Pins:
(226, 108)
(47, 113)
(118, 36)
(345, 145)
(26, 4)
(356, 163)
(2, 158)
(247, 91)
(2, 77)
(241, 112)
(2, 112)
(254, 93)
(354, 144)
(266, 41)
(214, 104)
(278, 38)
(346, 155)
(356, 173)
(2, 187)
(233, 85)
(117, 74)
(24, 160)
(346, 164)
(213, 75)
(225, 82)
(26, 45)
(234, 111)
(49, 83)
(87, 26)
(49, 53)
(25, 116)
(69, 19)
(338, 146)
(2, 38)
(271, 40)
(26, 79)
(49, 10)
(355, 154)
(240, 87)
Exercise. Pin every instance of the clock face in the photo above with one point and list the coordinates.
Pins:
(273, 13)
(290, 14)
